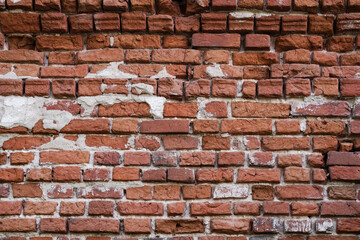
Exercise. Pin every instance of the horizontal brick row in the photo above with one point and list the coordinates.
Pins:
(276, 88)
(52, 22)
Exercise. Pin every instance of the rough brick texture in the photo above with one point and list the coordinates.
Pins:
(179, 119)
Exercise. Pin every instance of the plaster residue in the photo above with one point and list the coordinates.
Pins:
(163, 74)
(242, 14)
(112, 71)
(27, 111)
(155, 103)
(143, 88)
(215, 71)
(231, 191)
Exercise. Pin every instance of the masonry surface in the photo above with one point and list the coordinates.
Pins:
(179, 120)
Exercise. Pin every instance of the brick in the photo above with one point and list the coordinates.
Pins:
(341, 208)
(179, 226)
(258, 110)
(304, 209)
(197, 192)
(54, 23)
(215, 142)
(266, 225)
(167, 192)
(98, 56)
(321, 24)
(188, 56)
(325, 127)
(258, 175)
(278, 5)
(247, 208)
(325, 144)
(125, 109)
(20, 22)
(133, 22)
(294, 174)
(25, 5)
(188, 24)
(64, 88)
(41, 174)
(181, 110)
(197, 159)
(257, 4)
(115, 5)
(287, 127)
(348, 225)
(325, 59)
(50, 43)
(285, 143)
(39, 208)
(330, 109)
(94, 224)
(297, 226)
(263, 58)
(107, 21)
(209, 208)
(262, 192)
(340, 44)
(133, 225)
(11, 87)
(101, 208)
(270, 88)
(168, 7)
(176, 208)
(291, 42)
(64, 157)
(180, 142)
(304, 192)
(126, 174)
(10, 208)
(67, 174)
(216, 175)
(267, 24)
(333, 6)
(22, 56)
(343, 158)
(139, 193)
(28, 190)
(230, 191)
(180, 175)
(155, 175)
(326, 86)
(257, 42)
(18, 225)
(138, 56)
(53, 225)
(223, 40)
(96, 174)
(310, 6)
(344, 173)
(233, 226)
(72, 208)
(99, 192)
(160, 24)
(136, 158)
(242, 126)
(173, 41)
(241, 23)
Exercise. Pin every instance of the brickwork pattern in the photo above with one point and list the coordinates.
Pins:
(179, 120)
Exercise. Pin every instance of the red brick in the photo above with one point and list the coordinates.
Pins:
(290, 42)
(325, 127)
(188, 56)
(216, 175)
(233, 226)
(39, 208)
(340, 44)
(11, 87)
(173, 41)
(41, 174)
(303, 192)
(240, 23)
(125, 109)
(261, 58)
(197, 192)
(176, 208)
(28, 190)
(19, 158)
(67, 174)
(136, 158)
(140, 208)
(139, 193)
(216, 40)
(118, 5)
(215, 142)
(197, 159)
(293, 174)
(348, 225)
(20, 143)
(168, 7)
(270, 88)
(279, 5)
(341, 208)
(94, 224)
(20, 22)
(64, 88)
(285, 143)
(333, 6)
(10, 207)
(136, 225)
(329, 109)
(18, 225)
(64, 157)
(167, 192)
(160, 24)
(113, 142)
(287, 127)
(321, 24)
(126, 174)
(179, 226)
(101, 208)
(105, 22)
(276, 208)
(154, 175)
(96, 174)
(180, 142)
(258, 175)
(72, 208)
(294, 24)
(248, 4)
(133, 22)
(54, 23)
(22, 56)
(247, 208)
(325, 58)
(304, 209)
(306, 6)
(99, 192)
(50, 43)
(224, 88)
(188, 24)
(257, 42)
(259, 110)
(25, 5)
(244, 126)
(207, 208)
(267, 24)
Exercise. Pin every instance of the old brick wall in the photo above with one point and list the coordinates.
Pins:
(179, 120)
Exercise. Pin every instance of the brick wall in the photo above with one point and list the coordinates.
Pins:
(179, 120)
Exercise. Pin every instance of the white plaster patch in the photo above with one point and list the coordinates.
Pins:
(111, 71)
(215, 71)
(163, 74)
(242, 14)
(27, 111)
(143, 88)
(231, 191)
